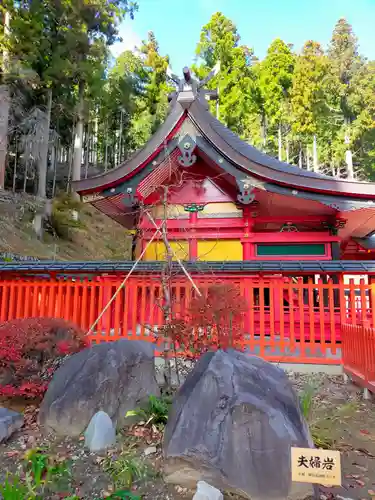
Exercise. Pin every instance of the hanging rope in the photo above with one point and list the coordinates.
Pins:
(166, 243)
(91, 329)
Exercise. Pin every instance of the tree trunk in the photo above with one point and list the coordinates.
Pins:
(264, 129)
(349, 164)
(315, 155)
(287, 151)
(4, 104)
(308, 167)
(78, 136)
(25, 176)
(43, 160)
(54, 166)
(95, 140)
(166, 285)
(4, 117)
(300, 157)
(280, 144)
(87, 149)
(15, 167)
(120, 139)
(70, 153)
(106, 147)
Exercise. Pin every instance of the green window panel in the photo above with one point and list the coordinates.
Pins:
(270, 250)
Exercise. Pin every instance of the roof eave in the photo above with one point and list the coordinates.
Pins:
(273, 170)
(141, 158)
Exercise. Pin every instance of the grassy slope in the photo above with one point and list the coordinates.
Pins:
(98, 238)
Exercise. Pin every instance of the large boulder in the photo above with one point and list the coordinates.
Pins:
(114, 377)
(232, 424)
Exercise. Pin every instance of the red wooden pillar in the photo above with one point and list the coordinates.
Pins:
(193, 242)
(248, 248)
(106, 322)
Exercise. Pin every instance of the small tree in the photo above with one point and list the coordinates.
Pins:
(214, 321)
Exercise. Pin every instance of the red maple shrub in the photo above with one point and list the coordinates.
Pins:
(31, 350)
(214, 321)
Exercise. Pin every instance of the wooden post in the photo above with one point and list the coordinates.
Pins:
(193, 242)
(248, 250)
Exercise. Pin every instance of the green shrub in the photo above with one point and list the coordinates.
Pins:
(155, 412)
(125, 470)
(62, 222)
(307, 400)
(41, 476)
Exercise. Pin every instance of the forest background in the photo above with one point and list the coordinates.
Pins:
(69, 110)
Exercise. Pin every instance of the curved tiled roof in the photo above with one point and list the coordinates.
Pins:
(239, 153)
(263, 166)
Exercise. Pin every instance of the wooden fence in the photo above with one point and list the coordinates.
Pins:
(287, 319)
(358, 356)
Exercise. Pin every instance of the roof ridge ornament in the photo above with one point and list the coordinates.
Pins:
(188, 87)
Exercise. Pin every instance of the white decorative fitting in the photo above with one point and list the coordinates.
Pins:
(294, 191)
(129, 190)
(154, 162)
(113, 190)
(221, 160)
(187, 145)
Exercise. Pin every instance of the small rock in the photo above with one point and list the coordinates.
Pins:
(150, 450)
(180, 490)
(10, 422)
(100, 433)
(207, 492)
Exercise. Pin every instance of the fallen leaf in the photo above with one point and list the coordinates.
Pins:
(12, 453)
(360, 467)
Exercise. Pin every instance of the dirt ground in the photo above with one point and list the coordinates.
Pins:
(17, 235)
(339, 415)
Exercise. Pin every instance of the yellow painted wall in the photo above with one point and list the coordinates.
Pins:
(157, 251)
(221, 208)
(172, 211)
(220, 250)
(210, 208)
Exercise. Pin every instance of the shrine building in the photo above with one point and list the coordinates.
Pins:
(224, 200)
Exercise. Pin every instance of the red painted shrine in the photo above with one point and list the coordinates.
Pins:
(226, 201)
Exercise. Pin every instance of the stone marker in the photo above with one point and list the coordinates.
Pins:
(10, 422)
(207, 492)
(114, 377)
(232, 424)
(100, 434)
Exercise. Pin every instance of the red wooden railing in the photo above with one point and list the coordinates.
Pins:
(287, 320)
(358, 353)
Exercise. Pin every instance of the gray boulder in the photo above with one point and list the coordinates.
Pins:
(100, 434)
(114, 377)
(232, 424)
(10, 422)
